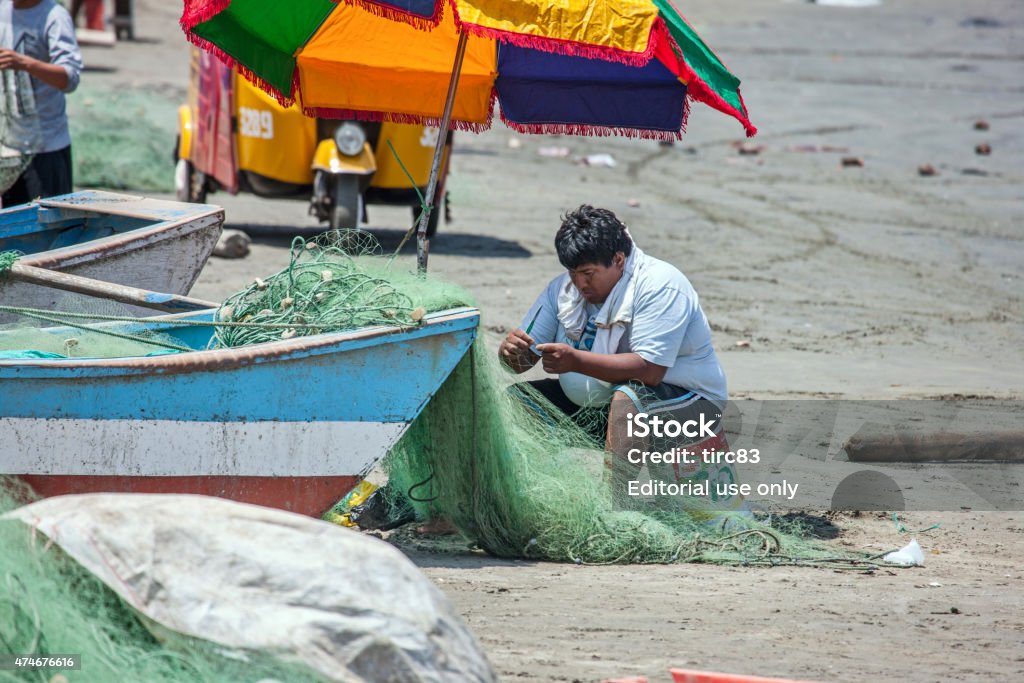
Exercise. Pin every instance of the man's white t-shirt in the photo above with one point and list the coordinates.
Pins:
(669, 328)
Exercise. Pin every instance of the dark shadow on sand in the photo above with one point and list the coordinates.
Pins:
(448, 244)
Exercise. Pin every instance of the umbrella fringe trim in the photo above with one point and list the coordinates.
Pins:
(395, 14)
(702, 92)
(593, 131)
(192, 15)
(570, 48)
(698, 89)
(396, 117)
(245, 72)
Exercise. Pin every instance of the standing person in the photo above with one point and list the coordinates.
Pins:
(625, 333)
(42, 43)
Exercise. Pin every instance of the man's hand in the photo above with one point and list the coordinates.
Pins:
(9, 59)
(52, 75)
(559, 358)
(515, 351)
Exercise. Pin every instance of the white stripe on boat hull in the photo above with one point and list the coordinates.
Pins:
(179, 448)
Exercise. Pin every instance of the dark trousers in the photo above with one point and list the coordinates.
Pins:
(48, 175)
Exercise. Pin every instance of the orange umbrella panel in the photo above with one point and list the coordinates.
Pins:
(359, 64)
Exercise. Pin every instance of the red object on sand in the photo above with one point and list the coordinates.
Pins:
(690, 676)
(94, 15)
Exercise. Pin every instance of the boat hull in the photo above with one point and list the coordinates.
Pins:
(290, 424)
(147, 243)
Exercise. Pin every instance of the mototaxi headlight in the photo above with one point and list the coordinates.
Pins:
(349, 137)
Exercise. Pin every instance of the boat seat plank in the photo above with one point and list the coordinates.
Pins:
(50, 216)
(113, 204)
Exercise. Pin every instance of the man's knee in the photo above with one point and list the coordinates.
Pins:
(619, 410)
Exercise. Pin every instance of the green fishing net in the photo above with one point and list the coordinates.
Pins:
(335, 283)
(123, 138)
(515, 476)
(529, 483)
(50, 605)
(79, 327)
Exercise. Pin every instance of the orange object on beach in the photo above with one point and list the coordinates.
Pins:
(690, 676)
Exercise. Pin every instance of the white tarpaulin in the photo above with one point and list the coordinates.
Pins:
(348, 606)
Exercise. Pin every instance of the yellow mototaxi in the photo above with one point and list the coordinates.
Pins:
(234, 137)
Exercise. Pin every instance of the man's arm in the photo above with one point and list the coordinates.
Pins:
(63, 47)
(614, 367)
(53, 75)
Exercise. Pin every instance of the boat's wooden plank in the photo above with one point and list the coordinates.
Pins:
(48, 216)
(129, 205)
(169, 303)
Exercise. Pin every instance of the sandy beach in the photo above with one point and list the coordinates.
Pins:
(820, 280)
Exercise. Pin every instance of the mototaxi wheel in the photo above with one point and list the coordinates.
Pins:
(345, 203)
(189, 184)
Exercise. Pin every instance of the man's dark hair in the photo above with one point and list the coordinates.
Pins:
(590, 235)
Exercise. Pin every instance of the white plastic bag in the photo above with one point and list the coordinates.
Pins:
(909, 555)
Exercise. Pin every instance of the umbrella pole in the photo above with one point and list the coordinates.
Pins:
(422, 243)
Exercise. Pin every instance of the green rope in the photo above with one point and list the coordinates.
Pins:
(412, 183)
(33, 312)
(423, 203)
(902, 529)
(47, 317)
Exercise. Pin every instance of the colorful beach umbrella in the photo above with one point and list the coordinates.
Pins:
(624, 67)
(599, 67)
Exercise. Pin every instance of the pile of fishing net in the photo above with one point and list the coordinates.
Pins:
(79, 327)
(194, 588)
(50, 605)
(335, 283)
(123, 138)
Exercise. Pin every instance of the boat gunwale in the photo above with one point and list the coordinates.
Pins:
(215, 359)
(116, 244)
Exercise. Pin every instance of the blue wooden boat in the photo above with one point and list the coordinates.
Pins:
(292, 424)
(151, 244)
